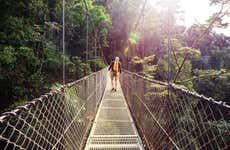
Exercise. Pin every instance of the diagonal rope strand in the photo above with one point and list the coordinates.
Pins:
(57, 120)
(169, 117)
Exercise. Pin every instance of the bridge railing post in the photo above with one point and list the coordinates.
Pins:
(96, 92)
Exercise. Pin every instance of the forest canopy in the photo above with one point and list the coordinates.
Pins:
(31, 58)
(195, 57)
(147, 38)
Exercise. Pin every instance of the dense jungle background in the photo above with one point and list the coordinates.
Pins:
(147, 38)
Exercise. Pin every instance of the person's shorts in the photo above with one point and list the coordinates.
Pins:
(114, 75)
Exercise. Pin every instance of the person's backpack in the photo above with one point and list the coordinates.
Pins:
(115, 66)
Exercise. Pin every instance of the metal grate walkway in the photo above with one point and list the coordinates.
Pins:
(113, 128)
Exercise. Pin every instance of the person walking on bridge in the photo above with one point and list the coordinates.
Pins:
(115, 70)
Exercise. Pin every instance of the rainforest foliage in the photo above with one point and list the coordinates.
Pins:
(31, 58)
(146, 37)
(150, 41)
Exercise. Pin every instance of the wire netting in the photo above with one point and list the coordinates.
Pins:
(59, 120)
(169, 117)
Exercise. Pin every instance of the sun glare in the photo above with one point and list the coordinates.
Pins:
(195, 12)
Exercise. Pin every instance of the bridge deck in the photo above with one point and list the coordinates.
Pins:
(113, 128)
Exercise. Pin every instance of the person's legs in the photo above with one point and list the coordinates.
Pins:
(112, 80)
(116, 80)
(115, 83)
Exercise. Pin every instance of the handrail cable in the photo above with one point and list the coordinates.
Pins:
(56, 120)
(185, 120)
(187, 92)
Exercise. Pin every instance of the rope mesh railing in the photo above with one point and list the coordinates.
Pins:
(172, 118)
(57, 120)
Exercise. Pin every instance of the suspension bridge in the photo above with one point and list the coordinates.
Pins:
(142, 114)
